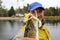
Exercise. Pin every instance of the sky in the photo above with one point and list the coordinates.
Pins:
(20, 3)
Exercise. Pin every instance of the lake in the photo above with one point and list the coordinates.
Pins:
(9, 29)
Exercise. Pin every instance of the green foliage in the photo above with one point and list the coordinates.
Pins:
(21, 10)
(52, 11)
(26, 8)
(47, 12)
(11, 12)
(3, 11)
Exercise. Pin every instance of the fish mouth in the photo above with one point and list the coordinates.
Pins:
(40, 17)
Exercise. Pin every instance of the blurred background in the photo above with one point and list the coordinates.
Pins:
(12, 13)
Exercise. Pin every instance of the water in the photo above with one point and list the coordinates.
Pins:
(9, 29)
(54, 30)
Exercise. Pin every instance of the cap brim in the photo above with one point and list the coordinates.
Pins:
(37, 7)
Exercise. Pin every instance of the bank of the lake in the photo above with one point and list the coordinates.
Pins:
(49, 18)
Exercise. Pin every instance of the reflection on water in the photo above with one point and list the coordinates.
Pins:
(54, 30)
(9, 29)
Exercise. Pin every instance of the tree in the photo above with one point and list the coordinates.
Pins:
(59, 11)
(2, 10)
(26, 8)
(0, 4)
(47, 12)
(21, 11)
(11, 12)
(52, 11)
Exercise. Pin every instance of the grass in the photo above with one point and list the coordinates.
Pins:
(52, 18)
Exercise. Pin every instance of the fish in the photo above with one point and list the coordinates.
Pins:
(30, 30)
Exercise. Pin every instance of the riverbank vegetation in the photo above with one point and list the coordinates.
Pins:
(52, 18)
(51, 13)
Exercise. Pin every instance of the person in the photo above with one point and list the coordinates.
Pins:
(43, 33)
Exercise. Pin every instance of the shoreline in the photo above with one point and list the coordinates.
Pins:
(47, 18)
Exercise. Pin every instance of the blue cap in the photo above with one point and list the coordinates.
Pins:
(34, 5)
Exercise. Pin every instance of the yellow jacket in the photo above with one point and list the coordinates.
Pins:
(43, 33)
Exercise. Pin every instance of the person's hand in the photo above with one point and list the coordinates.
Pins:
(26, 38)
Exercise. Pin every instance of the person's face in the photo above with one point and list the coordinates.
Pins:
(40, 13)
